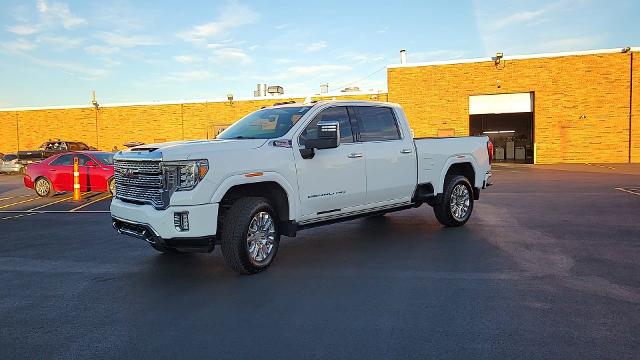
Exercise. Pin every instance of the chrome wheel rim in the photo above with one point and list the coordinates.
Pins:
(460, 202)
(261, 238)
(42, 187)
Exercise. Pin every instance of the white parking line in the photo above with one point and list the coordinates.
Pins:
(628, 191)
(17, 216)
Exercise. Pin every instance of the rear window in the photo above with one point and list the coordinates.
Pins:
(9, 157)
(377, 123)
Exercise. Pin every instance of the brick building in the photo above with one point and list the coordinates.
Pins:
(547, 108)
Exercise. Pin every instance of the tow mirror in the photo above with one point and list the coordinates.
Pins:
(328, 136)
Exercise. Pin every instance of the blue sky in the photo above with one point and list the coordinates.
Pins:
(56, 52)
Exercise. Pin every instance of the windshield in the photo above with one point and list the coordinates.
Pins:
(265, 124)
(105, 158)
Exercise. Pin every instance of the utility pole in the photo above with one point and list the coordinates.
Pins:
(95, 104)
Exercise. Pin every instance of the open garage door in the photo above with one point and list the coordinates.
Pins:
(508, 121)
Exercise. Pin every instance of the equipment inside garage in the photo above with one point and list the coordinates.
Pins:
(508, 121)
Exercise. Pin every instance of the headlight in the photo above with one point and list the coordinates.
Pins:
(184, 175)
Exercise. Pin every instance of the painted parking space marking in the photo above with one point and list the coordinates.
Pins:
(51, 203)
(17, 216)
(18, 203)
(14, 197)
(634, 191)
(89, 203)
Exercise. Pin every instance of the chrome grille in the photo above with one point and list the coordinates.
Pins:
(140, 181)
(146, 167)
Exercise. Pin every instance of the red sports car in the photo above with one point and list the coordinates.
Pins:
(56, 173)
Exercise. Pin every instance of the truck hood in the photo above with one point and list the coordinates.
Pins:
(185, 150)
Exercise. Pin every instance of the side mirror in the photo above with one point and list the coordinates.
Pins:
(90, 163)
(328, 136)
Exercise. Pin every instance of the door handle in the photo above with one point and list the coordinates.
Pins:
(406, 151)
(354, 155)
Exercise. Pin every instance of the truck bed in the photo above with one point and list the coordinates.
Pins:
(435, 155)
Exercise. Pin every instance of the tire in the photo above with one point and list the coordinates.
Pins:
(111, 185)
(43, 187)
(250, 239)
(456, 215)
(165, 250)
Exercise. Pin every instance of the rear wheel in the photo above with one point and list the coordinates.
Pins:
(43, 187)
(250, 235)
(457, 202)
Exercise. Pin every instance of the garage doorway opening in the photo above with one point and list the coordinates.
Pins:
(507, 119)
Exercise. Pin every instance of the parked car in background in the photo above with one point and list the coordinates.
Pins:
(55, 174)
(51, 148)
(10, 164)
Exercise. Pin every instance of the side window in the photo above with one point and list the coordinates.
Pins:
(63, 160)
(67, 160)
(338, 114)
(377, 123)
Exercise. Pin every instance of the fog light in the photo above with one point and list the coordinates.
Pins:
(181, 221)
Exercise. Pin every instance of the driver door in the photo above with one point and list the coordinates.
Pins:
(334, 180)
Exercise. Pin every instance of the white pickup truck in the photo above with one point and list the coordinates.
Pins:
(288, 167)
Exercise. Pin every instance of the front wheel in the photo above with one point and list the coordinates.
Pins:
(250, 235)
(112, 186)
(457, 202)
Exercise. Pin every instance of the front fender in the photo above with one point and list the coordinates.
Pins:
(267, 176)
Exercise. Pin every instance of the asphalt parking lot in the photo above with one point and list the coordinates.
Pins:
(547, 267)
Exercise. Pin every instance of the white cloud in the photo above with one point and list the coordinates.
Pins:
(326, 70)
(49, 16)
(281, 26)
(316, 46)
(435, 55)
(186, 76)
(522, 17)
(101, 49)
(383, 30)
(360, 58)
(127, 41)
(60, 13)
(186, 59)
(60, 42)
(231, 55)
(19, 45)
(24, 29)
(81, 71)
(233, 15)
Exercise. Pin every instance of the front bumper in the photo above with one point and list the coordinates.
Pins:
(157, 226)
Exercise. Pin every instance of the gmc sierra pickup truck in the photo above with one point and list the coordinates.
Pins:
(288, 167)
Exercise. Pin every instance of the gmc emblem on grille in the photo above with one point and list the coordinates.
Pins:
(128, 173)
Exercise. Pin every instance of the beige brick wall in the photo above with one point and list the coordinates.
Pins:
(596, 86)
(121, 124)
(635, 127)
